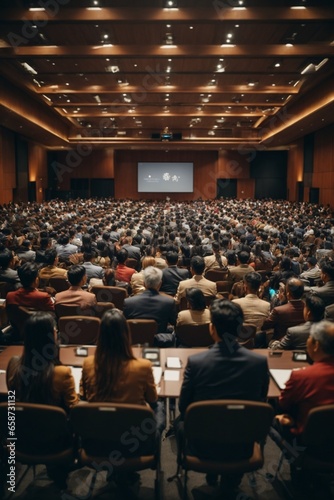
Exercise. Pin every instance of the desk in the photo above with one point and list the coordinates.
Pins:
(167, 388)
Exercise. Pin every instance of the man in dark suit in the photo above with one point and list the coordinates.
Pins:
(283, 317)
(296, 336)
(150, 304)
(326, 292)
(226, 371)
(172, 275)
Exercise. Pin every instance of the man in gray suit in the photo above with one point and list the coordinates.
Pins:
(326, 292)
(296, 336)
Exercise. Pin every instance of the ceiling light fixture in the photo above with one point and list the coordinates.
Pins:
(29, 68)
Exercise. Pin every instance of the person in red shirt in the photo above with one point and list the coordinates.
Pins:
(122, 272)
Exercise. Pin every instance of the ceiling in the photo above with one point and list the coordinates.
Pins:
(211, 74)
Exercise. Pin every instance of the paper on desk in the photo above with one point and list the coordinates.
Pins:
(173, 362)
(76, 372)
(172, 375)
(280, 376)
(157, 372)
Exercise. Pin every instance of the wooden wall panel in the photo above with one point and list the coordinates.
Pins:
(295, 169)
(38, 169)
(234, 165)
(323, 168)
(205, 173)
(7, 166)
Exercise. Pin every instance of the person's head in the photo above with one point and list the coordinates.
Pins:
(28, 274)
(6, 257)
(327, 270)
(314, 308)
(76, 275)
(226, 318)
(243, 257)
(195, 298)
(320, 344)
(311, 261)
(148, 261)
(294, 289)
(114, 337)
(197, 265)
(122, 255)
(40, 336)
(50, 256)
(152, 278)
(89, 255)
(172, 258)
(252, 282)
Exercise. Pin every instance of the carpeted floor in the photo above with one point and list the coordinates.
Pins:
(265, 488)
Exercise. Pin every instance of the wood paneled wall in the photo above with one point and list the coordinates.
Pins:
(295, 169)
(234, 165)
(7, 165)
(323, 166)
(38, 169)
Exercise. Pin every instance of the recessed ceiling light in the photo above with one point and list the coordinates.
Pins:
(277, 65)
(191, 27)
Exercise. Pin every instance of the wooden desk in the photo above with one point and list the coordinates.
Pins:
(68, 356)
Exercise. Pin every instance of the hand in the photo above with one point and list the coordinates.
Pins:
(285, 419)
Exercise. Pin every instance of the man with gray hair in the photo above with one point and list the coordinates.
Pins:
(313, 386)
(151, 304)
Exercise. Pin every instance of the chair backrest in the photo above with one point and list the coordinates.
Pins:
(207, 298)
(133, 263)
(223, 286)
(216, 275)
(71, 310)
(318, 434)
(246, 336)
(18, 316)
(79, 329)
(5, 288)
(42, 431)
(106, 427)
(194, 335)
(239, 422)
(59, 284)
(114, 294)
(143, 331)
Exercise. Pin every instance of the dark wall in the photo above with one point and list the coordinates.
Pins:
(22, 170)
(269, 169)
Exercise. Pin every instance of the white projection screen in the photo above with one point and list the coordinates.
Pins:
(165, 177)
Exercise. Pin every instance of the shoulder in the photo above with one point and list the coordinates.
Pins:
(140, 364)
(62, 371)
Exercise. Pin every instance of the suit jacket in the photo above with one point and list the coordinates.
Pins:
(63, 387)
(295, 337)
(76, 295)
(226, 371)
(192, 317)
(93, 271)
(255, 309)
(171, 277)
(313, 386)
(29, 297)
(133, 252)
(198, 281)
(136, 383)
(11, 277)
(48, 272)
(282, 317)
(329, 312)
(151, 305)
(326, 292)
(238, 272)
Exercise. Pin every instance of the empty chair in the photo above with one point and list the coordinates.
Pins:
(59, 284)
(79, 329)
(114, 294)
(42, 433)
(105, 431)
(142, 331)
(193, 335)
(233, 446)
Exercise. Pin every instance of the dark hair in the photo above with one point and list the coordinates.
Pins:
(196, 299)
(27, 273)
(33, 378)
(327, 267)
(197, 264)
(50, 256)
(316, 306)
(122, 255)
(295, 287)
(172, 258)
(75, 274)
(227, 317)
(113, 348)
(6, 257)
(243, 257)
(253, 280)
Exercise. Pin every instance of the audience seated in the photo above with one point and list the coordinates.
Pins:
(255, 309)
(137, 279)
(172, 275)
(51, 269)
(75, 294)
(122, 272)
(93, 271)
(242, 267)
(197, 266)
(326, 291)
(198, 313)
(7, 273)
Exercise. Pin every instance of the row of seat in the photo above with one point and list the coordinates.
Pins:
(45, 436)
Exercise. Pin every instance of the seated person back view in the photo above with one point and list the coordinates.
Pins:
(197, 266)
(50, 268)
(7, 274)
(150, 304)
(123, 272)
(198, 313)
(296, 336)
(172, 275)
(75, 294)
(255, 309)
